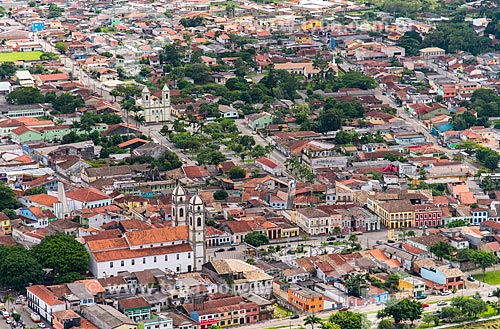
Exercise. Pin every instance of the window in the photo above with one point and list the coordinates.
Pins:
(178, 256)
(166, 258)
(154, 259)
(189, 255)
(133, 262)
(144, 260)
(122, 263)
(111, 264)
(181, 211)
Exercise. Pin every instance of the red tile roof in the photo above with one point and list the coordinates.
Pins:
(267, 162)
(44, 294)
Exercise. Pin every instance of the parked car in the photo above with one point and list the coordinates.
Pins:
(41, 325)
(477, 296)
(442, 303)
(5, 314)
(331, 238)
(490, 294)
(425, 305)
(231, 249)
(295, 316)
(9, 320)
(344, 309)
(445, 293)
(380, 242)
(220, 250)
(471, 278)
(421, 297)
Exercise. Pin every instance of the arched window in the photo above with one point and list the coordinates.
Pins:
(181, 199)
(198, 221)
(181, 212)
(198, 208)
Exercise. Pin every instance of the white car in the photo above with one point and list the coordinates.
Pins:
(445, 293)
(41, 325)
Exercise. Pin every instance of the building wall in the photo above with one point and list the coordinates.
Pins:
(179, 263)
(309, 305)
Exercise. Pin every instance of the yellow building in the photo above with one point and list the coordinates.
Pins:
(393, 213)
(303, 38)
(6, 227)
(411, 287)
(131, 202)
(311, 24)
(289, 231)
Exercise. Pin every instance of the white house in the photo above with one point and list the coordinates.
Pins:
(269, 166)
(43, 302)
(166, 248)
(86, 198)
(228, 112)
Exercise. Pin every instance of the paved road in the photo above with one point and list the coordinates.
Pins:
(371, 310)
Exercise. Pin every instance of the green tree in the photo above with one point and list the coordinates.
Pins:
(237, 172)
(69, 277)
(484, 259)
(354, 284)
(312, 320)
(220, 195)
(25, 95)
(404, 310)
(349, 320)
(37, 190)
(450, 313)
(7, 70)
(256, 239)
(63, 254)
(442, 249)
(54, 11)
(61, 47)
(18, 268)
(457, 223)
(330, 120)
(386, 324)
(491, 161)
(8, 199)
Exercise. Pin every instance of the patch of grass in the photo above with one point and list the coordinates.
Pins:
(489, 313)
(20, 56)
(280, 312)
(492, 277)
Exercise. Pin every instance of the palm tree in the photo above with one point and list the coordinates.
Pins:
(9, 300)
(139, 119)
(312, 320)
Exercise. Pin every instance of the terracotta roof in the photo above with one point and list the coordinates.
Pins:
(109, 244)
(87, 194)
(45, 294)
(132, 142)
(43, 199)
(195, 171)
(267, 162)
(239, 227)
(152, 236)
(120, 254)
(134, 302)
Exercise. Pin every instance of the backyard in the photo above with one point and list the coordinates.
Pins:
(20, 56)
(492, 277)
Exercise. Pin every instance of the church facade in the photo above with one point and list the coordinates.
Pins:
(154, 109)
(177, 249)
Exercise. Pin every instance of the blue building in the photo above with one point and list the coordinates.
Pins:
(37, 26)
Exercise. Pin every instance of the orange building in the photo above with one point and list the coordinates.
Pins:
(305, 299)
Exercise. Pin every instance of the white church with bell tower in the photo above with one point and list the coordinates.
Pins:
(191, 214)
(154, 109)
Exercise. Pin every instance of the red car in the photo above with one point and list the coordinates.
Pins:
(425, 305)
(344, 309)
